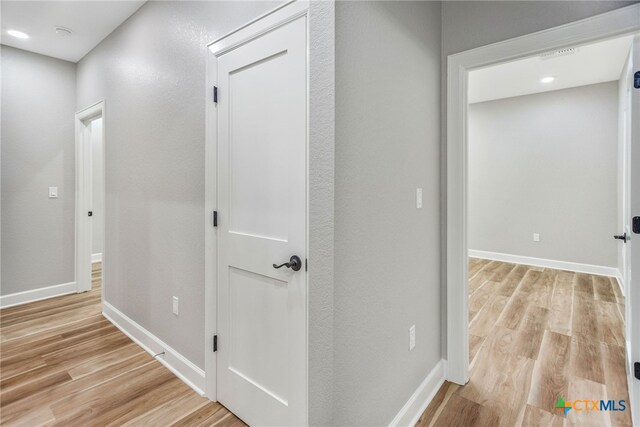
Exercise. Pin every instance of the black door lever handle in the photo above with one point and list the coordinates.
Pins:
(622, 237)
(295, 263)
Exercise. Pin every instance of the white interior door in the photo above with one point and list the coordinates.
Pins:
(262, 181)
(633, 279)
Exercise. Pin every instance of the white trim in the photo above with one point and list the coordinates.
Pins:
(599, 270)
(420, 399)
(96, 257)
(182, 367)
(34, 295)
(83, 252)
(273, 19)
(618, 22)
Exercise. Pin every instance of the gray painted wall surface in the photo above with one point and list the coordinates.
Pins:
(546, 163)
(386, 251)
(321, 210)
(151, 74)
(38, 152)
(470, 24)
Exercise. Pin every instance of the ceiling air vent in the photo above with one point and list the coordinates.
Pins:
(559, 52)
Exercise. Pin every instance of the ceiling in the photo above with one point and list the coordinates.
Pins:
(593, 63)
(90, 22)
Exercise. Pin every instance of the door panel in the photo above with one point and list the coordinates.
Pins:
(262, 221)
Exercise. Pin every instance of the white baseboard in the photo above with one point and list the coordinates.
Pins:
(547, 263)
(37, 294)
(420, 399)
(96, 257)
(182, 367)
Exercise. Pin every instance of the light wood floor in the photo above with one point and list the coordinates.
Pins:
(535, 335)
(63, 364)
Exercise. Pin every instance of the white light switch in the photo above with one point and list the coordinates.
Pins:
(419, 198)
(536, 237)
(53, 192)
(412, 337)
(175, 306)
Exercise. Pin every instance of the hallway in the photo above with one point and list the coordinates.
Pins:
(537, 334)
(64, 364)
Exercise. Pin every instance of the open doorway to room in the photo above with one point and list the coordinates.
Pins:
(540, 137)
(90, 198)
(545, 156)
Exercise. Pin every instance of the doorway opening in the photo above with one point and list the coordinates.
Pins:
(90, 199)
(535, 323)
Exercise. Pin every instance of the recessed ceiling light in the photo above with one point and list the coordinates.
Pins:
(63, 31)
(548, 79)
(18, 34)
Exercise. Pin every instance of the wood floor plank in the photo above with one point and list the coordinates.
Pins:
(602, 289)
(531, 331)
(551, 371)
(511, 282)
(610, 322)
(518, 302)
(486, 319)
(586, 361)
(593, 391)
(480, 297)
(585, 325)
(583, 283)
(614, 360)
(536, 417)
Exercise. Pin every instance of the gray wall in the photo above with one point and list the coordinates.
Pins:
(386, 251)
(470, 24)
(38, 151)
(547, 164)
(151, 74)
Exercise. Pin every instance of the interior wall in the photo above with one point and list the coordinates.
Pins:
(545, 163)
(151, 74)
(470, 24)
(97, 188)
(38, 152)
(386, 251)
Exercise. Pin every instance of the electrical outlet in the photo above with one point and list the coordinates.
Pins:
(536, 237)
(412, 337)
(418, 198)
(175, 306)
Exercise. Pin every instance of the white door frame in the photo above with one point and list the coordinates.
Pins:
(253, 29)
(616, 23)
(84, 195)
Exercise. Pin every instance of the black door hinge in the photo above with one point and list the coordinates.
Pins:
(215, 343)
(215, 218)
(636, 80)
(215, 94)
(306, 264)
(636, 370)
(90, 213)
